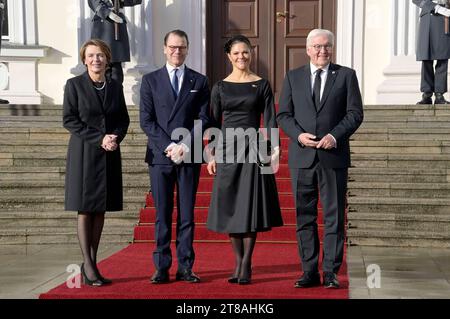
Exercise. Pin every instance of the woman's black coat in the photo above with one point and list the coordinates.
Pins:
(93, 176)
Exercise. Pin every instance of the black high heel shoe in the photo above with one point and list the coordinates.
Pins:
(105, 281)
(87, 281)
(233, 280)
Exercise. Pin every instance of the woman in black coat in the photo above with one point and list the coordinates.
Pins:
(96, 116)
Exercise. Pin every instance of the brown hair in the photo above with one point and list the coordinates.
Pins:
(97, 43)
(179, 33)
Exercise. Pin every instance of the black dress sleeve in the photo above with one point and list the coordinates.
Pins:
(216, 106)
(269, 114)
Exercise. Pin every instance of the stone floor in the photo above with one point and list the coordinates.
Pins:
(27, 271)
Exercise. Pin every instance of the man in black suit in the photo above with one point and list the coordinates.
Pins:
(104, 24)
(2, 12)
(320, 108)
(174, 97)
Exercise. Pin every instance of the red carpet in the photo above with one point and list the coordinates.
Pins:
(275, 269)
(276, 264)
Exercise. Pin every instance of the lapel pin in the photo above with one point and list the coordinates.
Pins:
(254, 85)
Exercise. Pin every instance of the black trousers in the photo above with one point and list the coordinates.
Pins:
(434, 79)
(331, 184)
(164, 179)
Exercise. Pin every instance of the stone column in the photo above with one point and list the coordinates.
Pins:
(402, 75)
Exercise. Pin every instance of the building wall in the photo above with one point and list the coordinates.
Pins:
(57, 29)
(376, 46)
(367, 38)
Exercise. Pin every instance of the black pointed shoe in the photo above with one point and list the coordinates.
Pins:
(440, 99)
(426, 98)
(330, 280)
(89, 282)
(160, 277)
(309, 279)
(187, 275)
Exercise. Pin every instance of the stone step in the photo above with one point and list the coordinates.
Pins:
(399, 147)
(392, 221)
(43, 110)
(18, 219)
(401, 134)
(425, 161)
(396, 238)
(56, 202)
(60, 235)
(404, 190)
(425, 125)
(399, 175)
(59, 159)
(377, 205)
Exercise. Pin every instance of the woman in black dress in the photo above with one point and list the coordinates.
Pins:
(96, 116)
(244, 198)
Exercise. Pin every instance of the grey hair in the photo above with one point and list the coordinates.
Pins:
(320, 32)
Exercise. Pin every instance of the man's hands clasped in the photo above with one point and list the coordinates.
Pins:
(310, 140)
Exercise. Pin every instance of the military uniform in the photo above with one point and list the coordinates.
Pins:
(432, 45)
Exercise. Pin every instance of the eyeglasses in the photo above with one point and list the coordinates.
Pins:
(174, 48)
(319, 47)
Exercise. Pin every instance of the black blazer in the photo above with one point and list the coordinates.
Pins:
(340, 113)
(161, 113)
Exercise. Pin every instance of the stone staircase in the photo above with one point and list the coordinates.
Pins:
(399, 190)
(32, 169)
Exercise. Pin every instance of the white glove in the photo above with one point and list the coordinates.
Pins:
(442, 11)
(115, 17)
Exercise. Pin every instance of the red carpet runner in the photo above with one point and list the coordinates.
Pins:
(276, 264)
(275, 269)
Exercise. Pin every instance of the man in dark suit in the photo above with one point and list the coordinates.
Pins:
(320, 108)
(104, 25)
(2, 12)
(174, 97)
(433, 44)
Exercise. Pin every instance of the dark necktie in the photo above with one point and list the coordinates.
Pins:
(316, 88)
(175, 82)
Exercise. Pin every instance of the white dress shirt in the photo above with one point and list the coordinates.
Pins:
(180, 74)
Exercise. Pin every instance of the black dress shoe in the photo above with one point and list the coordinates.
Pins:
(2, 101)
(233, 280)
(309, 279)
(160, 277)
(187, 275)
(330, 280)
(439, 99)
(426, 98)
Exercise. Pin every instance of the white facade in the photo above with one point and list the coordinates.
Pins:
(375, 37)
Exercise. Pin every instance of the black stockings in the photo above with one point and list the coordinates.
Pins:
(90, 227)
(243, 245)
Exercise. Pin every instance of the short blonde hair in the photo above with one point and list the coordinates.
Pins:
(97, 43)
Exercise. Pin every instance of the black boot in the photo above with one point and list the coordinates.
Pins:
(426, 98)
(439, 99)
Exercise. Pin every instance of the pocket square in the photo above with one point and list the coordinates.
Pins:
(194, 91)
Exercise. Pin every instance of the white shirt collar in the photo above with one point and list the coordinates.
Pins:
(314, 68)
(170, 68)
